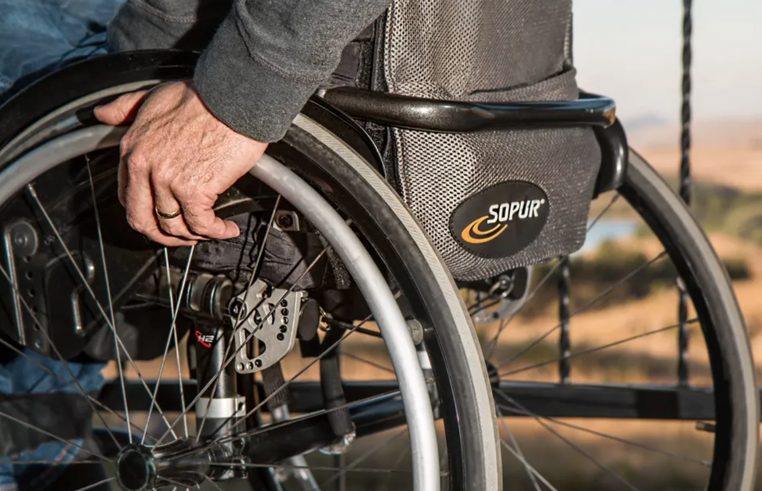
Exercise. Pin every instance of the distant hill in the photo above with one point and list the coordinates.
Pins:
(727, 152)
(655, 132)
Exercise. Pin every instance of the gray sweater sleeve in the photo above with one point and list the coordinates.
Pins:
(265, 58)
(269, 56)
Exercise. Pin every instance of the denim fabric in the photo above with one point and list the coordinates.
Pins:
(18, 375)
(36, 37)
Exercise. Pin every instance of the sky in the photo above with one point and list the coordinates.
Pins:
(631, 50)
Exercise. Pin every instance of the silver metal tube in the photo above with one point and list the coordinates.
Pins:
(386, 312)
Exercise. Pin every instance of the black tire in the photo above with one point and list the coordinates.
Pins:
(386, 223)
(736, 396)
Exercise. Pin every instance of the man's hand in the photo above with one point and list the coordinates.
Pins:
(177, 157)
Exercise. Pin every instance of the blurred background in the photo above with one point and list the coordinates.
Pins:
(630, 51)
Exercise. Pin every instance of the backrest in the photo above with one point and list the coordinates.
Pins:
(479, 49)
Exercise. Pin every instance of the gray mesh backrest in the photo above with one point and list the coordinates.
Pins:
(490, 51)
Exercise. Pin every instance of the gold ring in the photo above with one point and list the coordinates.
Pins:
(168, 216)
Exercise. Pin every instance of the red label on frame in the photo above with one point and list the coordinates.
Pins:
(204, 340)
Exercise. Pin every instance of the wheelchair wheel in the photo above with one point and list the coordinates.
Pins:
(595, 385)
(330, 258)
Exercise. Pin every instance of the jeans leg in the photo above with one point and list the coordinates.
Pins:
(36, 35)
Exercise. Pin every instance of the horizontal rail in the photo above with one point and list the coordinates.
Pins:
(549, 400)
(417, 113)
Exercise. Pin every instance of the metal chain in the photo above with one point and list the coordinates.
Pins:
(685, 182)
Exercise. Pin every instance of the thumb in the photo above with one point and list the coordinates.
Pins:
(122, 110)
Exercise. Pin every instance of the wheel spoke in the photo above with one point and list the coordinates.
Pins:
(216, 486)
(611, 437)
(526, 464)
(65, 364)
(518, 453)
(128, 287)
(384, 441)
(239, 323)
(599, 348)
(91, 486)
(367, 362)
(310, 467)
(110, 302)
(49, 462)
(603, 212)
(175, 308)
(506, 322)
(177, 344)
(51, 435)
(573, 445)
(176, 483)
(68, 384)
(490, 346)
(478, 306)
(347, 326)
(316, 414)
(243, 344)
(585, 307)
(304, 369)
(404, 455)
(33, 194)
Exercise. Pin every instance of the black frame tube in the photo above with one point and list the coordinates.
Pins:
(417, 113)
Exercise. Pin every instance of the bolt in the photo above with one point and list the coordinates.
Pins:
(24, 238)
(38, 344)
(285, 320)
(240, 367)
(258, 363)
(284, 303)
(283, 328)
(237, 308)
(284, 311)
(285, 220)
(250, 366)
(280, 336)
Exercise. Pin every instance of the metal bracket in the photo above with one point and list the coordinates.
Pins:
(21, 245)
(509, 301)
(273, 324)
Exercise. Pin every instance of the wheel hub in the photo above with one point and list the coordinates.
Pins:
(136, 468)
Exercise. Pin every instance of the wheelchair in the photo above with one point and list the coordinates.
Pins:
(396, 381)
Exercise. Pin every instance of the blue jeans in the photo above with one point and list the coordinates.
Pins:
(37, 37)
(19, 375)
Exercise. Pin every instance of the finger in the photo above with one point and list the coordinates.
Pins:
(202, 221)
(165, 202)
(122, 110)
(139, 205)
(122, 178)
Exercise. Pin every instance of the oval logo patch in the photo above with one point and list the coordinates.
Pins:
(501, 220)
